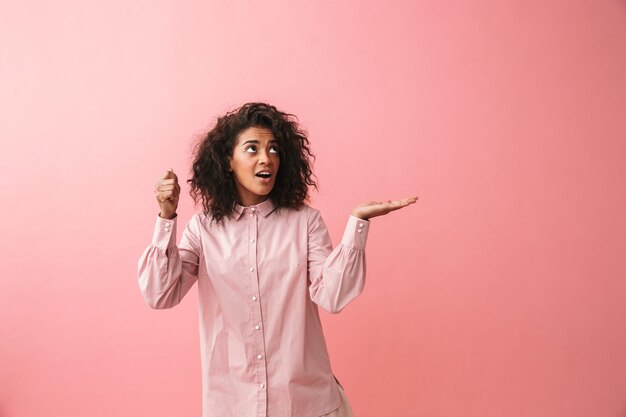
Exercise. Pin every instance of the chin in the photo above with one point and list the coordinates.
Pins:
(264, 192)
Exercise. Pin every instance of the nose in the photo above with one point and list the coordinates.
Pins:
(264, 157)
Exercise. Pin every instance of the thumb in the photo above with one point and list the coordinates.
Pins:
(168, 174)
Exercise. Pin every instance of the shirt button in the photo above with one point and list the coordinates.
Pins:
(259, 356)
(251, 269)
(251, 240)
(254, 298)
(257, 327)
(360, 231)
(261, 386)
(251, 214)
(252, 208)
(360, 224)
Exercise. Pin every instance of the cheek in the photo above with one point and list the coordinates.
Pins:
(241, 166)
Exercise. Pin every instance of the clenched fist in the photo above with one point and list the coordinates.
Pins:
(167, 191)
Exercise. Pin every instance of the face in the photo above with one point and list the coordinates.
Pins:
(254, 164)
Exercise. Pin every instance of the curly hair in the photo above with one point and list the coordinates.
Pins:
(214, 185)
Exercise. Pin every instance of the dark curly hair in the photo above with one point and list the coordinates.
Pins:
(214, 185)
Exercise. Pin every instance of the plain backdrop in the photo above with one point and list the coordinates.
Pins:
(502, 292)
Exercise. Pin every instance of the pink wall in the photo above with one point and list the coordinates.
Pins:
(502, 292)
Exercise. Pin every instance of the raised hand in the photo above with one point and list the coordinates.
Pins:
(167, 191)
(379, 208)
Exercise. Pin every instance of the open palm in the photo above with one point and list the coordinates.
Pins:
(379, 208)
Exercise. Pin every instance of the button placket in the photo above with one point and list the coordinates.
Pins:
(256, 317)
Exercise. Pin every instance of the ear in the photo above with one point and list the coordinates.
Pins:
(230, 166)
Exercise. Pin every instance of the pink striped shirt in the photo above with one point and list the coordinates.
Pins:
(261, 276)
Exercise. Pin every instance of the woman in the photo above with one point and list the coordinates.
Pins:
(264, 262)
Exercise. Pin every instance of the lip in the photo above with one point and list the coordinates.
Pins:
(265, 180)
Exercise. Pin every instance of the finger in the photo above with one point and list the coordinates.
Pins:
(165, 192)
(393, 207)
(163, 185)
(168, 195)
(161, 197)
(162, 192)
(167, 181)
(166, 187)
(409, 200)
(392, 203)
(401, 203)
(406, 202)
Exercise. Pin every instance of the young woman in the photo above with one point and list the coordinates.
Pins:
(264, 262)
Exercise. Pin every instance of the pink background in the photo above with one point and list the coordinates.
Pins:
(502, 292)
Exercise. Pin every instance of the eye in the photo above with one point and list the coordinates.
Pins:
(251, 149)
(274, 149)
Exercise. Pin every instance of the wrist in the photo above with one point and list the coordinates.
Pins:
(168, 216)
(361, 216)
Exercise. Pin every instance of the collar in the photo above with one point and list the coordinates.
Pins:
(265, 208)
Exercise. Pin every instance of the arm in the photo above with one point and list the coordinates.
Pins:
(337, 276)
(166, 272)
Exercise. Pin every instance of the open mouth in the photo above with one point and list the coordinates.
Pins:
(264, 174)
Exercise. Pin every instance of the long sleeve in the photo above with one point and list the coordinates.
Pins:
(337, 276)
(166, 271)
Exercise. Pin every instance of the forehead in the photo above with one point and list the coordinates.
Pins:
(255, 133)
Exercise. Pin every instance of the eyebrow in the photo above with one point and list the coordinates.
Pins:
(256, 141)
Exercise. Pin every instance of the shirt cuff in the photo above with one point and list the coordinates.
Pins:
(355, 234)
(164, 235)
